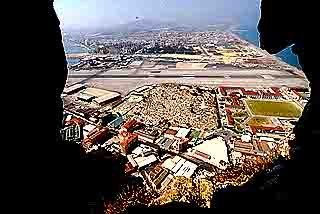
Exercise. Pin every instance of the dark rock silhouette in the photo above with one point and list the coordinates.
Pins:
(83, 181)
(282, 25)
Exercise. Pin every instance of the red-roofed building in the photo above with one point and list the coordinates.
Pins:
(182, 145)
(222, 91)
(144, 137)
(241, 144)
(129, 125)
(276, 91)
(253, 61)
(235, 101)
(230, 118)
(235, 104)
(127, 140)
(203, 155)
(270, 95)
(300, 89)
(277, 95)
(98, 135)
(256, 129)
(234, 94)
(266, 95)
(76, 121)
(171, 132)
(246, 148)
(129, 169)
(263, 146)
(253, 94)
(298, 95)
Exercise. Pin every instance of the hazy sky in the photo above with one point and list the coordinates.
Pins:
(97, 13)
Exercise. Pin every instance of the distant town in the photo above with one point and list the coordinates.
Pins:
(176, 50)
(189, 112)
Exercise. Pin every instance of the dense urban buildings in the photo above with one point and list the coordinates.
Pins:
(175, 50)
(191, 112)
(189, 131)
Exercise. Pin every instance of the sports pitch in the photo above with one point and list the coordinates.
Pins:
(259, 121)
(272, 108)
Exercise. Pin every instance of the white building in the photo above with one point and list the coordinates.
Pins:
(182, 133)
(246, 138)
(144, 161)
(132, 161)
(74, 88)
(178, 165)
(268, 139)
(186, 170)
(89, 127)
(169, 164)
(216, 149)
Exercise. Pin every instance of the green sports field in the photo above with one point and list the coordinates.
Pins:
(272, 108)
(259, 121)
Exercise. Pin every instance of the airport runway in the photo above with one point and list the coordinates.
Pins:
(125, 85)
(179, 72)
(126, 80)
(139, 76)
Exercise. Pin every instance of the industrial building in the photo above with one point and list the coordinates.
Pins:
(215, 148)
(187, 169)
(95, 95)
(182, 133)
(145, 137)
(244, 147)
(127, 141)
(180, 166)
(118, 120)
(169, 164)
(202, 155)
(268, 139)
(129, 169)
(129, 125)
(170, 133)
(160, 178)
(74, 88)
(142, 89)
(106, 98)
(266, 129)
(73, 133)
(167, 144)
(262, 146)
(166, 181)
(85, 97)
(144, 161)
(99, 135)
